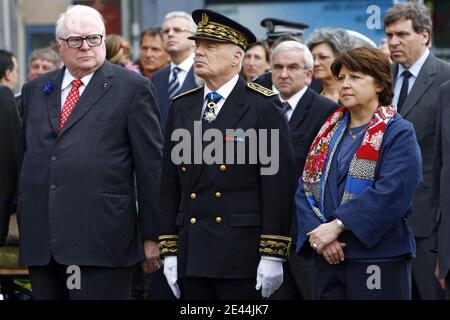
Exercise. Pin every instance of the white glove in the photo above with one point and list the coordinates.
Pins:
(170, 272)
(269, 275)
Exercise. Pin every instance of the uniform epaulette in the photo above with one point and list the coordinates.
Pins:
(186, 92)
(259, 88)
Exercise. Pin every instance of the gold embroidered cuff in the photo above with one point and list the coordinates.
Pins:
(275, 246)
(168, 245)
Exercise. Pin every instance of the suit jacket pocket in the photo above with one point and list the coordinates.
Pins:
(246, 220)
(115, 202)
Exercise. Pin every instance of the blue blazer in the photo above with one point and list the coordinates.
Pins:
(161, 83)
(77, 190)
(377, 218)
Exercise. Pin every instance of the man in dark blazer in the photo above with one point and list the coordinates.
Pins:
(9, 139)
(178, 76)
(306, 111)
(225, 223)
(90, 130)
(417, 77)
(441, 185)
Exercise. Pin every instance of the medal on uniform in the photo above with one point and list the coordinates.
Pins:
(210, 115)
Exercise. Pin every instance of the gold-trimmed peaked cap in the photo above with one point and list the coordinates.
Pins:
(216, 27)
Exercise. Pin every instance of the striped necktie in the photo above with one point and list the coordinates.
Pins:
(174, 83)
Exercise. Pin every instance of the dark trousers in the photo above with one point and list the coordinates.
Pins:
(447, 287)
(50, 282)
(426, 287)
(158, 287)
(356, 280)
(220, 289)
(298, 277)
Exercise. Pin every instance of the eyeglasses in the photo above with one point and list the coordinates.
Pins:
(76, 42)
(290, 68)
(175, 30)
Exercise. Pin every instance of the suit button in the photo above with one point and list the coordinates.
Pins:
(218, 220)
(54, 158)
(223, 168)
(52, 187)
(183, 169)
(218, 195)
(193, 221)
(193, 196)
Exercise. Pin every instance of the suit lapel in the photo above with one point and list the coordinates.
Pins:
(53, 100)
(301, 110)
(423, 81)
(189, 82)
(100, 83)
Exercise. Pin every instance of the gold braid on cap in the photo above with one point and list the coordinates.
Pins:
(220, 31)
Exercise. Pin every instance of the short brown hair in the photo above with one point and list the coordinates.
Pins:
(262, 45)
(152, 32)
(369, 61)
(416, 12)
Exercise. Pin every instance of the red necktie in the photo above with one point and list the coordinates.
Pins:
(71, 101)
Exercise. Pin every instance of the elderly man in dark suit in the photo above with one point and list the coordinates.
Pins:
(90, 129)
(417, 77)
(178, 76)
(225, 223)
(441, 185)
(306, 111)
(9, 139)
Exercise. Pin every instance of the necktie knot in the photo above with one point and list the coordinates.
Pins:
(77, 83)
(406, 74)
(213, 97)
(175, 71)
(286, 106)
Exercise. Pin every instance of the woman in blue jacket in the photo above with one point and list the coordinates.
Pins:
(357, 187)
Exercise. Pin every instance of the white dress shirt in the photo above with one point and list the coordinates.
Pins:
(184, 66)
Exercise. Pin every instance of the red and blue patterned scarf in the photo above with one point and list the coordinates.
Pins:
(361, 173)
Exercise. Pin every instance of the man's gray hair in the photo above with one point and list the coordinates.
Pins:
(294, 45)
(414, 11)
(78, 10)
(183, 15)
(47, 54)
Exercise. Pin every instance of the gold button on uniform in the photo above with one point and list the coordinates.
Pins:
(218, 195)
(218, 219)
(183, 169)
(223, 168)
(193, 221)
(193, 196)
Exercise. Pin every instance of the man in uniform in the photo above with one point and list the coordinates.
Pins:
(225, 226)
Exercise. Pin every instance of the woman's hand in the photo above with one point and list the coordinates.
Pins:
(334, 253)
(323, 235)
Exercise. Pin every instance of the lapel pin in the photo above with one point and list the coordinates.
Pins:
(104, 85)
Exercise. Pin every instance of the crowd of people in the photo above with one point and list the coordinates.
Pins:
(359, 134)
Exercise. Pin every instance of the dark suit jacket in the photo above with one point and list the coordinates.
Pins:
(420, 108)
(441, 185)
(161, 83)
(266, 81)
(9, 148)
(77, 190)
(250, 204)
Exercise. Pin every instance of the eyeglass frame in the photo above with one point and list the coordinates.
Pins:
(176, 30)
(84, 39)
